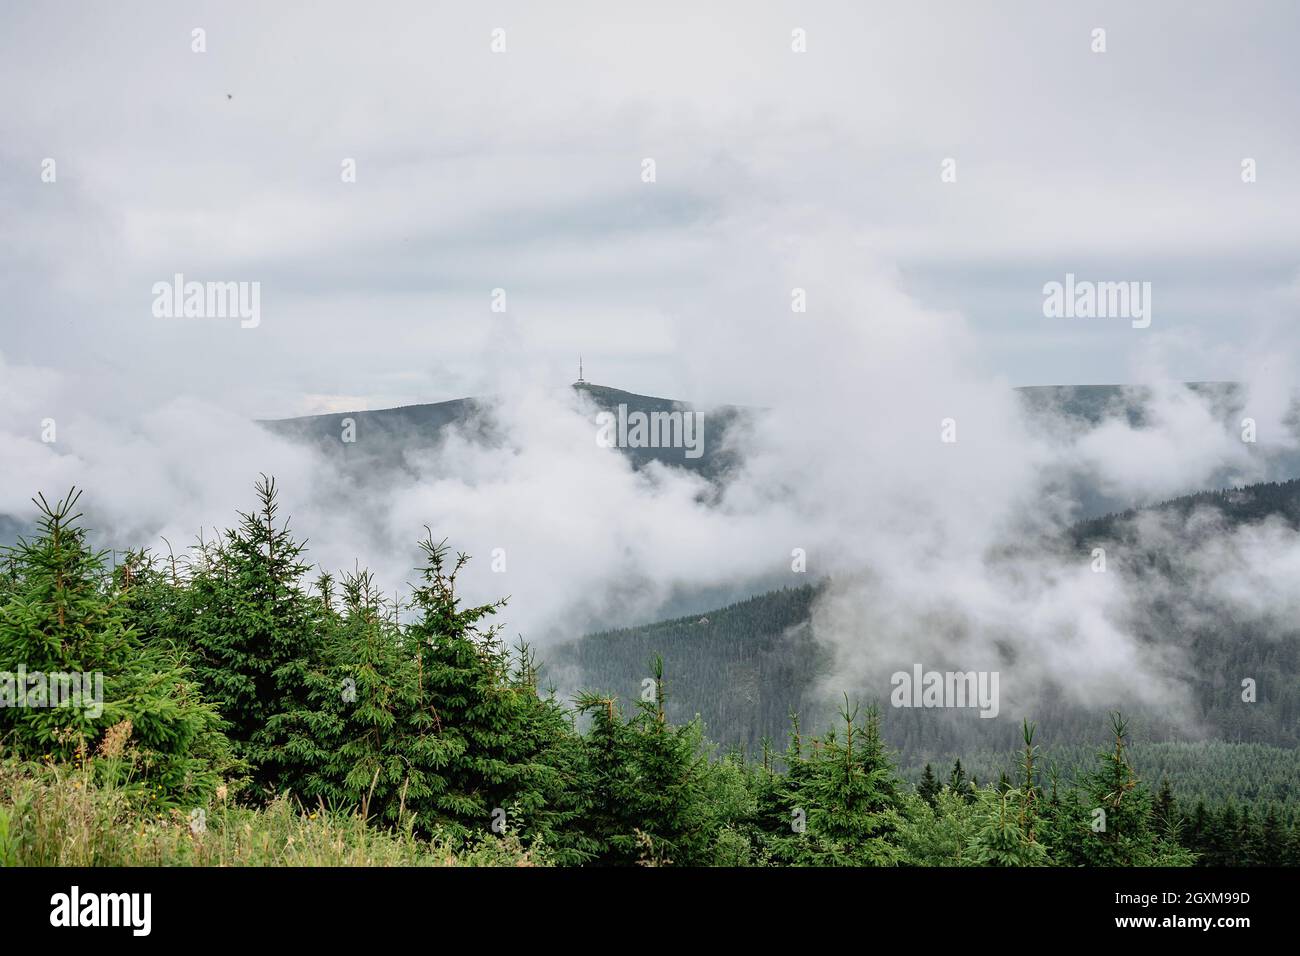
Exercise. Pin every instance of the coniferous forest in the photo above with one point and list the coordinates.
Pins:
(255, 713)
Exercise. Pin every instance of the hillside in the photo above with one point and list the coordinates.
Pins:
(386, 437)
(746, 667)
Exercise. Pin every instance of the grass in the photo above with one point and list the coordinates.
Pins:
(60, 816)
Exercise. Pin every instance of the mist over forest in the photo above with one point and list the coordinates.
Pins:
(563, 436)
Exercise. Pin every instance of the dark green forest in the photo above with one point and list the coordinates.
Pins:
(743, 668)
(232, 673)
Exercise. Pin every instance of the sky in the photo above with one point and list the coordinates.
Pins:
(523, 169)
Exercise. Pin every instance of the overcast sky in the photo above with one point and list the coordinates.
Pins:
(523, 170)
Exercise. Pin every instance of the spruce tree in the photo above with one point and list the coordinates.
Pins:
(1007, 824)
(550, 811)
(1197, 835)
(669, 764)
(1248, 849)
(1223, 837)
(647, 790)
(1123, 832)
(776, 812)
(1003, 834)
(1165, 808)
(928, 789)
(65, 618)
(850, 796)
(491, 772)
(958, 783)
(610, 794)
(255, 633)
(1272, 839)
(347, 744)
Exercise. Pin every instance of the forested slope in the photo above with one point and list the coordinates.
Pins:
(745, 668)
